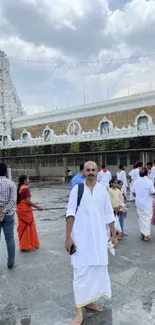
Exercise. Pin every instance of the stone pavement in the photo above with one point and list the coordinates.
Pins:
(39, 290)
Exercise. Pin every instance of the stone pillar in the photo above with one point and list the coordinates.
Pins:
(118, 159)
(128, 161)
(147, 158)
(143, 158)
(37, 166)
(9, 174)
(65, 165)
(100, 161)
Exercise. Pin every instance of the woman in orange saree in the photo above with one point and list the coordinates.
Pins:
(27, 232)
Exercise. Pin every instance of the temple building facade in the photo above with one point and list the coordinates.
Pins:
(117, 131)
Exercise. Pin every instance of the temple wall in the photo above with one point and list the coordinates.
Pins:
(119, 119)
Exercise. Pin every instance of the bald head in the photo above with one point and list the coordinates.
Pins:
(90, 170)
(90, 164)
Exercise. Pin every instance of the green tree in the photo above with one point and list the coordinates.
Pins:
(74, 147)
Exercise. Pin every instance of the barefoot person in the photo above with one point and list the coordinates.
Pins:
(143, 190)
(27, 232)
(86, 232)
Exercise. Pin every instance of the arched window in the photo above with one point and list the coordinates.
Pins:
(47, 134)
(104, 127)
(142, 122)
(5, 141)
(24, 137)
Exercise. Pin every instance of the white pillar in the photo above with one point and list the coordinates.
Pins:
(9, 174)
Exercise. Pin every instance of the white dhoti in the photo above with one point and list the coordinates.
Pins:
(106, 184)
(131, 195)
(124, 189)
(145, 218)
(90, 283)
(108, 233)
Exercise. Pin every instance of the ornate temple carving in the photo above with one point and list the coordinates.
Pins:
(10, 105)
(74, 128)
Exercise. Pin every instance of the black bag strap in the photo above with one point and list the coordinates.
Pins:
(80, 194)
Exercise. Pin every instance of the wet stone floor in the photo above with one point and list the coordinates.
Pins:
(39, 290)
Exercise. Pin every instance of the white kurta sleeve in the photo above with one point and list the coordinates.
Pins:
(124, 179)
(99, 177)
(130, 173)
(72, 204)
(152, 189)
(107, 208)
(110, 177)
(133, 188)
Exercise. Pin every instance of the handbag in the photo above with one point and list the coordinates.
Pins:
(117, 224)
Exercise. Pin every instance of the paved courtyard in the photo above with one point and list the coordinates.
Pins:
(39, 290)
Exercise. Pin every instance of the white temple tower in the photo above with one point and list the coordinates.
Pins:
(10, 105)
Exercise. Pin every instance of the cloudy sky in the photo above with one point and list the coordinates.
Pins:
(77, 31)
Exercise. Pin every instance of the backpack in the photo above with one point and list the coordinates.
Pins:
(80, 194)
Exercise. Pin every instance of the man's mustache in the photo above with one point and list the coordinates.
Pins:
(91, 175)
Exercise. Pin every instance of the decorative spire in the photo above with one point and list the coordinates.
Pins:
(10, 105)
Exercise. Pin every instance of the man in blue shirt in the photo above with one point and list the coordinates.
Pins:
(79, 178)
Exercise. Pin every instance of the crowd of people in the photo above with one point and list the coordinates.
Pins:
(94, 222)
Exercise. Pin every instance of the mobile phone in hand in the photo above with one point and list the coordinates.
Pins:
(72, 250)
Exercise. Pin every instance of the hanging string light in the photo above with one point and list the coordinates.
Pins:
(59, 64)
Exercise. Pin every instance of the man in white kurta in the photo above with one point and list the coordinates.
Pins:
(144, 191)
(153, 167)
(89, 234)
(104, 176)
(137, 170)
(151, 172)
(131, 174)
(121, 176)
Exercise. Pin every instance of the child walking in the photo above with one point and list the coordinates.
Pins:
(116, 201)
(123, 209)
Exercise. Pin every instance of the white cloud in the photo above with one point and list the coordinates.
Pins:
(127, 79)
(18, 48)
(33, 109)
(134, 28)
(78, 30)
